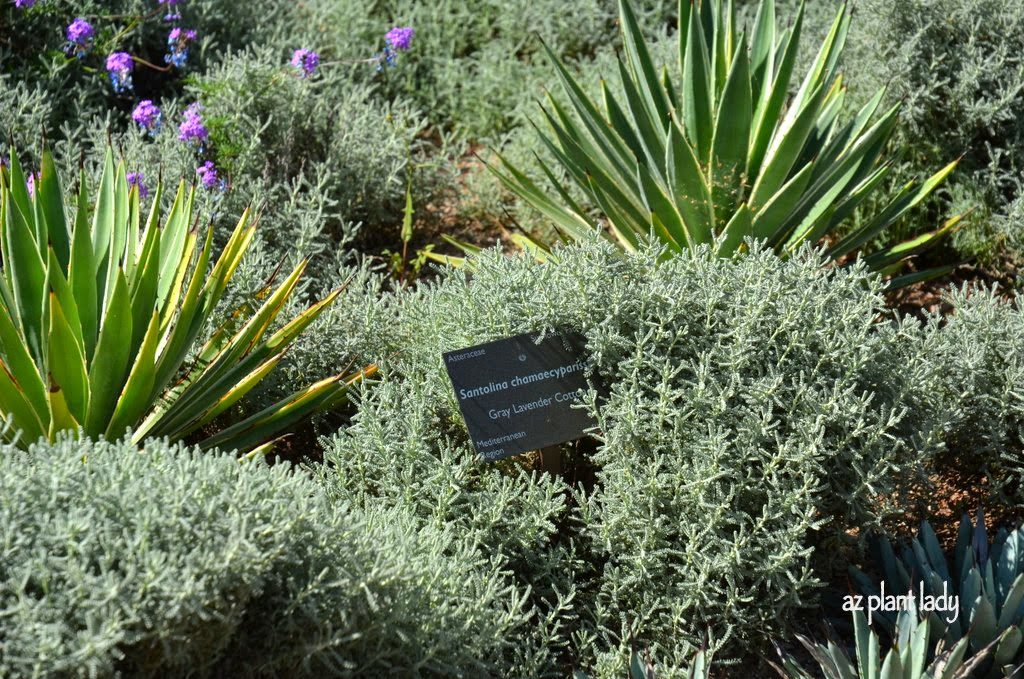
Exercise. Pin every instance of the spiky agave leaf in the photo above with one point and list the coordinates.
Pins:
(913, 654)
(718, 152)
(987, 579)
(98, 316)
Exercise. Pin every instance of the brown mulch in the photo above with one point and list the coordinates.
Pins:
(946, 497)
(921, 299)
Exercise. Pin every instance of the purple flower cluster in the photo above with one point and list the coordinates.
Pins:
(148, 116)
(172, 13)
(305, 61)
(24, 4)
(192, 129)
(178, 41)
(208, 177)
(398, 39)
(80, 34)
(136, 179)
(120, 66)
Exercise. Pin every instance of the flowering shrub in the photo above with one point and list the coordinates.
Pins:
(120, 66)
(305, 62)
(207, 173)
(290, 147)
(172, 12)
(192, 129)
(323, 177)
(178, 41)
(148, 116)
(398, 39)
(80, 34)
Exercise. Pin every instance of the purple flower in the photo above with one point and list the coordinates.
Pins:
(208, 176)
(80, 34)
(192, 129)
(24, 4)
(306, 61)
(148, 116)
(177, 43)
(30, 183)
(80, 31)
(135, 179)
(399, 38)
(172, 14)
(119, 66)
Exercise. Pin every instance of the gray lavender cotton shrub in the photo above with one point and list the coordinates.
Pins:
(171, 562)
(977, 353)
(757, 409)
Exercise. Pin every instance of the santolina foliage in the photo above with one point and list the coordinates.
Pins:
(166, 561)
(271, 130)
(955, 65)
(977, 355)
(756, 410)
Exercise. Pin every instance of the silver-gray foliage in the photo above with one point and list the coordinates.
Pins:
(756, 411)
(978, 357)
(171, 562)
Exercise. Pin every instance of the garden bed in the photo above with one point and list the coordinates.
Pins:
(779, 241)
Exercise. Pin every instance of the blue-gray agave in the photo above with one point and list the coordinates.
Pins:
(907, 659)
(987, 579)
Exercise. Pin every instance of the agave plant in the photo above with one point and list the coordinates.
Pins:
(717, 151)
(531, 246)
(98, 317)
(907, 659)
(987, 579)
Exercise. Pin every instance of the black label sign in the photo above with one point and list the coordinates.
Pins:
(517, 395)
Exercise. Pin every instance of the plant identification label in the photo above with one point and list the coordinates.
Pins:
(517, 395)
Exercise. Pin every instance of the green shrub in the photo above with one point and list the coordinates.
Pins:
(756, 411)
(24, 109)
(404, 449)
(977, 354)
(167, 562)
(321, 155)
(956, 66)
(475, 66)
(350, 147)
